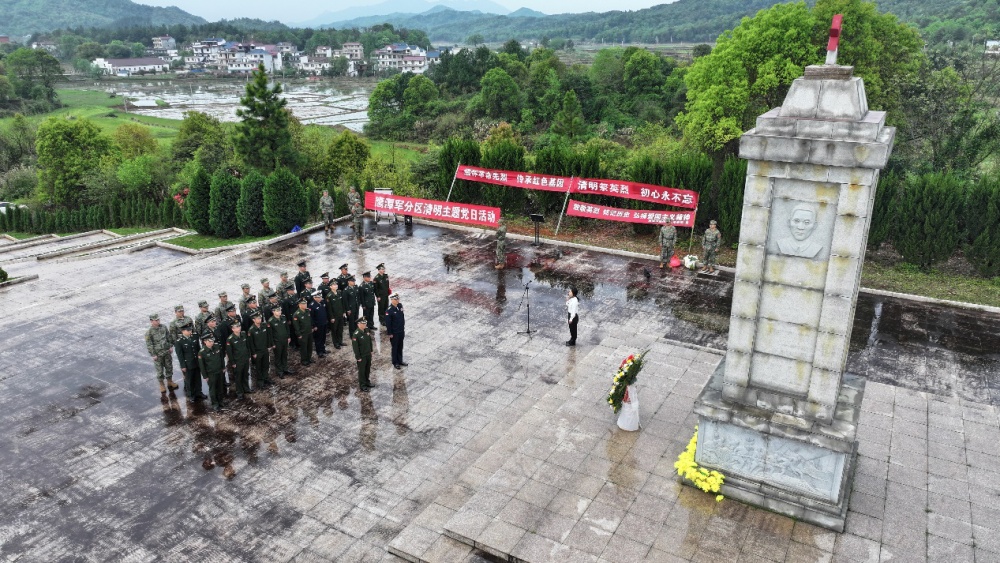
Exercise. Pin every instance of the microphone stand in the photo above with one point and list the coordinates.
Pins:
(527, 302)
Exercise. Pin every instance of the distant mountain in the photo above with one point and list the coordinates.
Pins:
(402, 8)
(526, 13)
(21, 17)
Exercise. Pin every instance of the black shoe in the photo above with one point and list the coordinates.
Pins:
(289, 372)
(239, 396)
(217, 408)
(397, 366)
(252, 391)
(306, 363)
(404, 364)
(568, 343)
(281, 376)
(200, 398)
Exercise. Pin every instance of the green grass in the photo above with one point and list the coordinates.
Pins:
(126, 231)
(933, 284)
(20, 236)
(200, 242)
(402, 152)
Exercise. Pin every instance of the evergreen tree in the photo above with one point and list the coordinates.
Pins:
(197, 202)
(225, 192)
(263, 138)
(731, 197)
(5, 221)
(166, 212)
(884, 208)
(178, 217)
(984, 253)
(250, 207)
(454, 152)
(569, 122)
(284, 201)
(927, 226)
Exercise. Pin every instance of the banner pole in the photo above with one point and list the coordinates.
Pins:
(565, 204)
(455, 177)
(694, 221)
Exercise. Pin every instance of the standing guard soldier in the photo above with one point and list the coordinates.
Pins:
(238, 354)
(381, 292)
(159, 343)
(199, 320)
(711, 243)
(265, 291)
(280, 290)
(220, 309)
(301, 277)
(324, 284)
(211, 363)
(231, 319)
(351, 302)
(362, 344)
(187, 348)
(279, 341)
(179, 320)
(396, 327)
(302, 321)
(320, 321)
(260, 342)
(307, 290)
(668, 237)
(353, 197)
(367, 295)
(244, 298)
(326, 208)
(337, 314)
(289, 305)
(342, 279)
(501, 251)
(357, 216)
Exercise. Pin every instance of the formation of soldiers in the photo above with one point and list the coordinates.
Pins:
(227, 345)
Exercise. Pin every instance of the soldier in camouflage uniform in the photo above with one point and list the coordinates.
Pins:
(326, 208)
(259, 339)
(711, 243)
(382, 292)
(265, 291)
(186, 348)
(211, 364)
(368, 300)
(238, 354)
(501, 257)
(357, 217)
(279, 341)
(179, 320)
(199, 321)
(159, 344)
(243, 298)
(284, 283)
(362, 345)
(668, 237)
(353, 197)
(302, 321)
(220, 309)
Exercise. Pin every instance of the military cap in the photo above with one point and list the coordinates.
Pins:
(154, 317)
(265, 280)
(362, 320)
(307, 280)
(210, 319)
(667, 221)
(351, 278)
(187, 326)
(712, 222)
(272, 295)
(284, 274)
(178, 308)
(343, 266)
(290, 288)
(203, 303)
(245, 286)
(302, 264)
(367, 274)
(324, 276)
(230, 307)
(254, 315)
(208, 336)
(317, 293)
(251, 299)
(380, 267)
(223, 294)
(394, 296)
(303, 300)
(235, 326)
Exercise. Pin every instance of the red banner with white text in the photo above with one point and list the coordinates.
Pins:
(591, 211)
(512, 179)
(430, 209)
(616, 188)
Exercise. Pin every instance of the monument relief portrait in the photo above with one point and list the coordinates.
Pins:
(798, 240)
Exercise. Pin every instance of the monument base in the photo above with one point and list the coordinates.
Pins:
(790, 465)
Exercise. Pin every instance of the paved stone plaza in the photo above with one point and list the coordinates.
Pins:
(488, 438)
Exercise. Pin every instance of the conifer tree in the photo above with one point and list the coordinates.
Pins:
(250, 207)
(284, 201)
(225, 192)
(197, 202)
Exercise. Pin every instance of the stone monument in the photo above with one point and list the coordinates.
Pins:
(779, 416)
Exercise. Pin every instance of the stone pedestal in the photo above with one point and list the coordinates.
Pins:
(779, 417)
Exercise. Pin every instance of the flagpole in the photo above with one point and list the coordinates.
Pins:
(694, 220)
(565, 203)
(455, 177)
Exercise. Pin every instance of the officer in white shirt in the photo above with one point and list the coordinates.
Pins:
(572, 314)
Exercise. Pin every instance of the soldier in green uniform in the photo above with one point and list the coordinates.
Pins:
(337, 314)
(301, 276)
(280, 290)
(252, 309)
(302, 321)
(260, 341)
(238, 354)
(180, 319)
(279, 341)
(324, 284)
(381, 292)
(265, 291)
(711, 243)
(186, 348)
(668, 237)
(226, 324)
(270, 305)
(211, 364)
(220, 309)
(159, 343)
(501, 252)
(353, 197)
(351, 302)
(362, 344)
(342, 279)
(289, 305)
(307, 290)
(243, 298)
(326, 208)
(220, 333)
(199, 320)
(368, 299)
(357, 218)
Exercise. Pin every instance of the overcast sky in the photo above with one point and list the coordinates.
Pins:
(303, 10)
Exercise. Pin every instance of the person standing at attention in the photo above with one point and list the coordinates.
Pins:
(572, 314)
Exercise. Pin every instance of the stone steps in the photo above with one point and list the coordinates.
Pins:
(31, 249)
(123, 245)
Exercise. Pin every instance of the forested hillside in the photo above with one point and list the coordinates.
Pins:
(21, 17)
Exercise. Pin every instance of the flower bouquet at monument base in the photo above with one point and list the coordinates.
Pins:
(627, 373)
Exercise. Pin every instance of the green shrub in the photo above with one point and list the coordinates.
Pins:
(284, 201)
(983, 221)
(927, 226)
(3, 275)
(197, 202)
(250, 207)
(224, 195)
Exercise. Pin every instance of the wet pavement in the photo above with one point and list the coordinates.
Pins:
(97, 467)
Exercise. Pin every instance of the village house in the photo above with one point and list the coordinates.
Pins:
(405, 58)
(46, 45)
(164, 43)
(128, 67)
